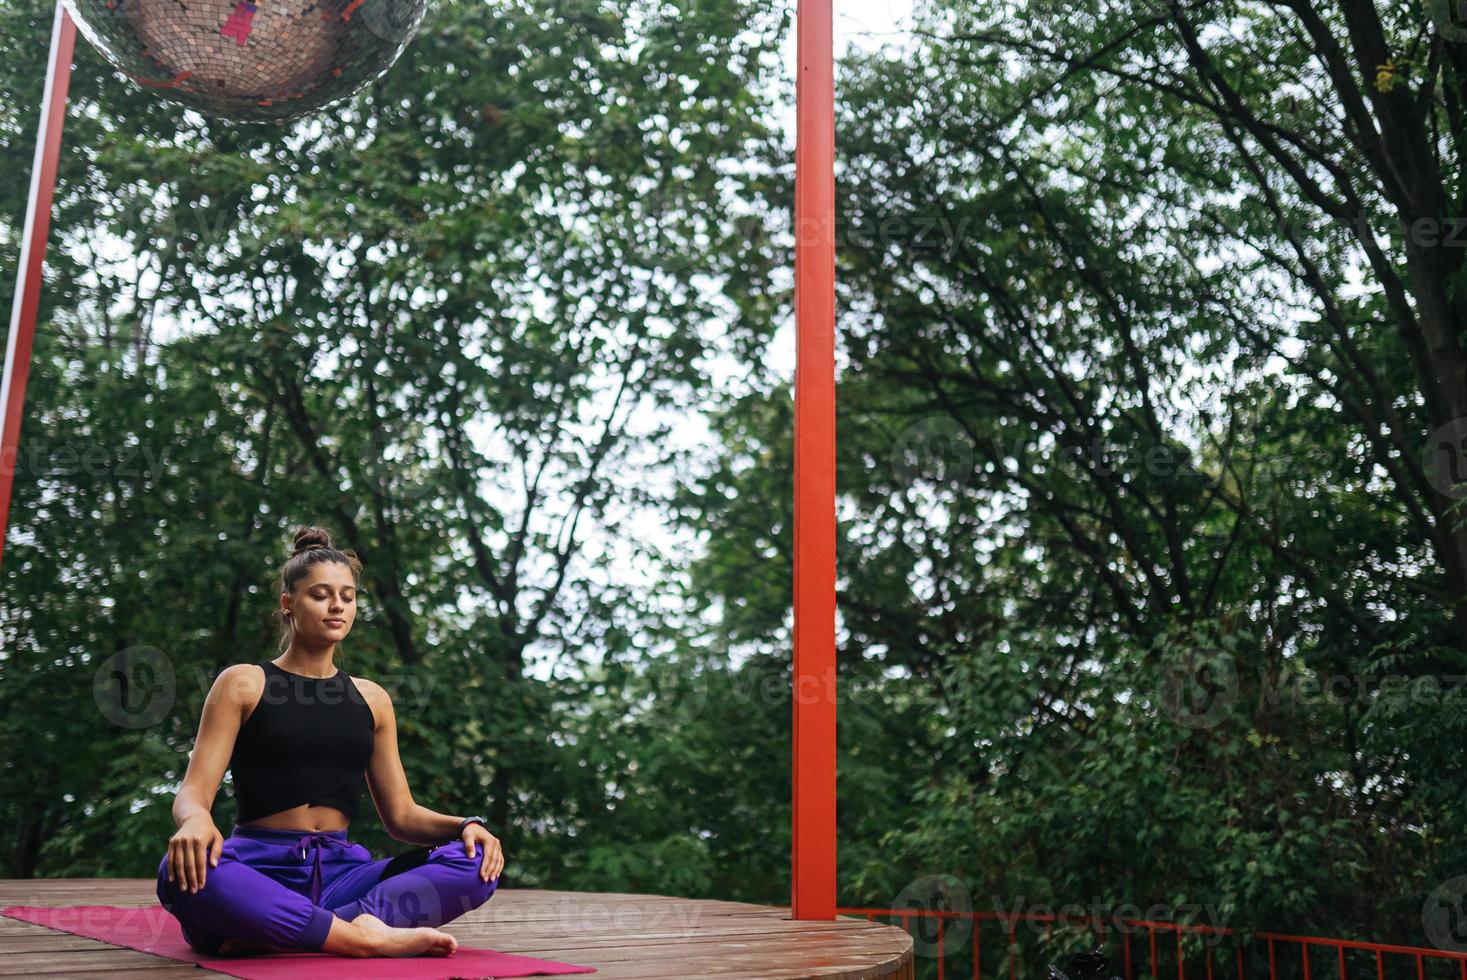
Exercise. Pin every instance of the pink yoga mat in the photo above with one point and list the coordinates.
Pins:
(154, 930)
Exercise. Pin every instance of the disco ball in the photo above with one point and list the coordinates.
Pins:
(250, 61)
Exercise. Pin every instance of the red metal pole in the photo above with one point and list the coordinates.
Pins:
(813, 840)
(32, 254)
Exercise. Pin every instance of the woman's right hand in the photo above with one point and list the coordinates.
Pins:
(194, 848)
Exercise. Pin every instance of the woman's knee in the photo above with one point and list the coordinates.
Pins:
(466, 872)
(175, 900)
(169, 884)
(169, 887)
(164, 892)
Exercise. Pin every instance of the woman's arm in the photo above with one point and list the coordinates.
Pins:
(219, 724)
(404, 819)
(198, 842)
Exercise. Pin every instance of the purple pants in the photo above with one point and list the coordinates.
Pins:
(283, 887)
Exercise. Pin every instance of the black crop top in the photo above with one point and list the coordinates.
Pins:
(307, 741)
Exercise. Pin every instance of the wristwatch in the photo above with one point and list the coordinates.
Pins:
(465, 822)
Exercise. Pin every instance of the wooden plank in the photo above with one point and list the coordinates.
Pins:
(101, 958)
(624, 936)
(677, 962)
(500, 938)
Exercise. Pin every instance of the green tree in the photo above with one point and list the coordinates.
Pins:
(1141, 458)
(441, 319)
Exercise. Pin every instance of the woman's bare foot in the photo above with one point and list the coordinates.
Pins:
(388, 940)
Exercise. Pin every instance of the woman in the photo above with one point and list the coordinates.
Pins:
(299, 735)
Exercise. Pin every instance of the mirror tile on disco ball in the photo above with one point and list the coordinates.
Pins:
(250, 60)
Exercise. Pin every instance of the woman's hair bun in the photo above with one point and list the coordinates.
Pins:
(311, 546)
(307, 538)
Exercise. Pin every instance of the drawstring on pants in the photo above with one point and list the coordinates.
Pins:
(315, 842)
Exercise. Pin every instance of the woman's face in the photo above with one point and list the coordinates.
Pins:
(324, 604)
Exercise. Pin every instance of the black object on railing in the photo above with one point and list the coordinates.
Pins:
(1094, 965)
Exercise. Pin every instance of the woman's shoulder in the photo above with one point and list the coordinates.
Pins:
(240, 685)
(376, 696)
(250, 673)
(374, 693)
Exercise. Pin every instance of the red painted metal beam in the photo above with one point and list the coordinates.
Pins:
(813, 840)
(32, 254)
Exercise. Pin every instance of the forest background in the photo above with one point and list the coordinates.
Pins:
(1152, 411)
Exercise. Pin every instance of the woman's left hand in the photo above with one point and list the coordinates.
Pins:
(477, 835)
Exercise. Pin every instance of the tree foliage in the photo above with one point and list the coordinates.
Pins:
(1152, 400)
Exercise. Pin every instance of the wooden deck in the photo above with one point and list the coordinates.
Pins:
(622, 936)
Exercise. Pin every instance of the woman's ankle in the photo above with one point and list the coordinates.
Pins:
(348, 939)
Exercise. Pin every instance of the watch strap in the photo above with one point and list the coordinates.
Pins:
(465, 822)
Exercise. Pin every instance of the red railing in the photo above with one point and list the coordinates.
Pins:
(1287, 956)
